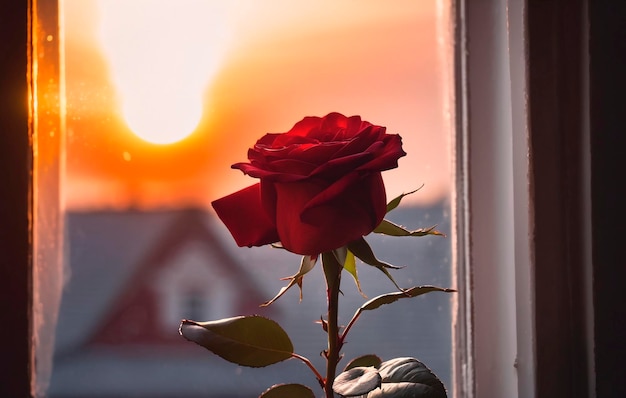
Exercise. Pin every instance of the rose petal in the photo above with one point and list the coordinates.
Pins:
(304, 127)
(320, 184)
(243, 215)
(336, 121)
(257, 172)
(361, 197)
(335, 220)
(275, 143)
(361, 141)
(293, 166)
(319, 153)
(268, 198)
(387, 157)
(337, 168)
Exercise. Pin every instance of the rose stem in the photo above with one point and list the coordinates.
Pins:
(308, 363)
(342, 338)
(332, 273)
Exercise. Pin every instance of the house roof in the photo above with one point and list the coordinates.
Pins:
(103, 250)
(188, 227)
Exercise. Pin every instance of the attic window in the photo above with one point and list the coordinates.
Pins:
(193, 305)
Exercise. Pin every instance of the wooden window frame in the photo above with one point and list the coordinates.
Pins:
(576, 55)
(15, 200)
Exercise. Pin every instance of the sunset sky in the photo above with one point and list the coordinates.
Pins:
(247, 68)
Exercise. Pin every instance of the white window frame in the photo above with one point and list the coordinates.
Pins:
(494, 212)
(525, 319)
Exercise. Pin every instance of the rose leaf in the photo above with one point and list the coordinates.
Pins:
(408, 293)
(357, 381)
(306, 265)
(252, 341)
(386, 227)
(408, 378)
(288, 390)
(364, 360)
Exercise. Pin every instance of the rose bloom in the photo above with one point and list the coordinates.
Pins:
(320, 185)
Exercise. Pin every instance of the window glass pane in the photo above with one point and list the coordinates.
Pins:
(162, 98)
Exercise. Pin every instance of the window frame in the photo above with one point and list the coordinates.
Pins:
(607, 96)
(524, 144)
(570, 102)
(15, 205)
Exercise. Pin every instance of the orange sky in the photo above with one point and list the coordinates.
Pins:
(278, 62)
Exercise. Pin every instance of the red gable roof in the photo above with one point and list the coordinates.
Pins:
(134, 316)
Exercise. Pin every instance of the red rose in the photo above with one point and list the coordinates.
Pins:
(320, 188)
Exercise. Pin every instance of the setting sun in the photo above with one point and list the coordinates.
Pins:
(162, 55)
(161, 118)
(201, 80)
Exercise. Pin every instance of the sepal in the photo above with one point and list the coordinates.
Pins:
(387, 227)
(363, 251)
(396, 201)
(347, 258)
(306, 265)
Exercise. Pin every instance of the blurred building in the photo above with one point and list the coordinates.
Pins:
(132, 276)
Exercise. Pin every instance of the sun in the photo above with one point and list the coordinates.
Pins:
(161, 56)
(159, 118)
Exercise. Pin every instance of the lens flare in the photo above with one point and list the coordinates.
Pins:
(162, 55)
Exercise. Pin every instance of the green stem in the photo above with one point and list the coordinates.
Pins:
(332, 273)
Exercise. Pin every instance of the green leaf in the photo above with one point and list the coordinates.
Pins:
(252, 341)
(357, 381)
(288, 390)
(390, 298)
(386, 227)
(396, 201)
(306, 265)
(363, 251)
(408, 378)
(364, 360)
(408, 293)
